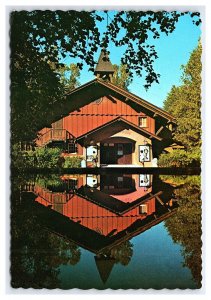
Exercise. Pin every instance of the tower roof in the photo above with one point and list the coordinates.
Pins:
(104, 64)
(104, 266)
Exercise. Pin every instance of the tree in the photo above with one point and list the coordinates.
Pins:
(121, 77)
(35, 91)
(36, 253)
(68, 75)
(57, 34)
(184, 102)
(123, 253)
(37, 37)
(185, 226)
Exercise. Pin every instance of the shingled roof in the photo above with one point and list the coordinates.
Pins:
(104, 65)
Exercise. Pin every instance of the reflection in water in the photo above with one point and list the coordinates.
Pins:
(52, 217)
(185, 225)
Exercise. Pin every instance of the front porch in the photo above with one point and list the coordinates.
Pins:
(118, 143)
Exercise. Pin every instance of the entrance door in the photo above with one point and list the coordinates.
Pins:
(124, 154)
(108, 153)
(116, 153)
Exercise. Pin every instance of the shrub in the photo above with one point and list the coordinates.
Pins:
(21, 159)
(47, 157)
(40, 158)
(179, 158)
(72, 162)
(52, 180)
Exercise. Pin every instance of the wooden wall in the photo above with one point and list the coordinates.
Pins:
(97, 113)
(98, 218)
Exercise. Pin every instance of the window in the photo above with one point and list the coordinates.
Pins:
(142, 121)
(120, 182)
(72, 148)
(72, 184)
(120, 149)
(143, 209)
(120, 179)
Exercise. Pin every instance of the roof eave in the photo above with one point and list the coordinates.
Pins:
(156, 110)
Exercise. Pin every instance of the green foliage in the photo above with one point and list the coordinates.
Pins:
(179, 158)
(40, 158)
(21, 159)
(36, 253)
(185, 226)
(184, 102)
(176, 180)
(39, 37)
(47, 157)
(35, 91)
(123, 253)
(50, 180)
(76, 34)
(121, 77)
(68, 75)
(72, 162)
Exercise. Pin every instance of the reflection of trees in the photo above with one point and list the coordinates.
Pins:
(119, 254)
(36, 253)
(185, 225)
(123, 253)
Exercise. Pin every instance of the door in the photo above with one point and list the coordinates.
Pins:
(124, 154)
(117, 153)
(118, 184)
(108, 153)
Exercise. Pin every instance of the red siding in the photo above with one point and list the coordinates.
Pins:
(94, 115)
(93, 216)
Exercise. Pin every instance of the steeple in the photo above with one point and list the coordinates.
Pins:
(104, 266)
(104, 68)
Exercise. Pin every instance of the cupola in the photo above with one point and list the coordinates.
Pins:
(104, 68)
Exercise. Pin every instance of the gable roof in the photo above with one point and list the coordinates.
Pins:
(97, 88)
(114, 126)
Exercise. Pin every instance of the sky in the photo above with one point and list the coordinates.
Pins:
(173, 51)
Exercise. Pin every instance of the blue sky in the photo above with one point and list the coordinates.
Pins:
(173, 51)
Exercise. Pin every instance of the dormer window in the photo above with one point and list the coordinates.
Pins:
(142, 121)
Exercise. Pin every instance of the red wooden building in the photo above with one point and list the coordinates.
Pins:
(107, 125)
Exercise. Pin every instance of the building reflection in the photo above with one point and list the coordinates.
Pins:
(102, 213)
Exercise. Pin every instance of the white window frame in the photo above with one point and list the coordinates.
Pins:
(143, 123)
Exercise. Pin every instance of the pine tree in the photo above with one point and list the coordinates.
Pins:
(184, 102)
(121, 76)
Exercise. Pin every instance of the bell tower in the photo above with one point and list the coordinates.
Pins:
(104, 68)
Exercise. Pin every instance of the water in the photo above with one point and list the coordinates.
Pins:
(106, 231)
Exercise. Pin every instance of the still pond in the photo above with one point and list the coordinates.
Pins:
(128, 231)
